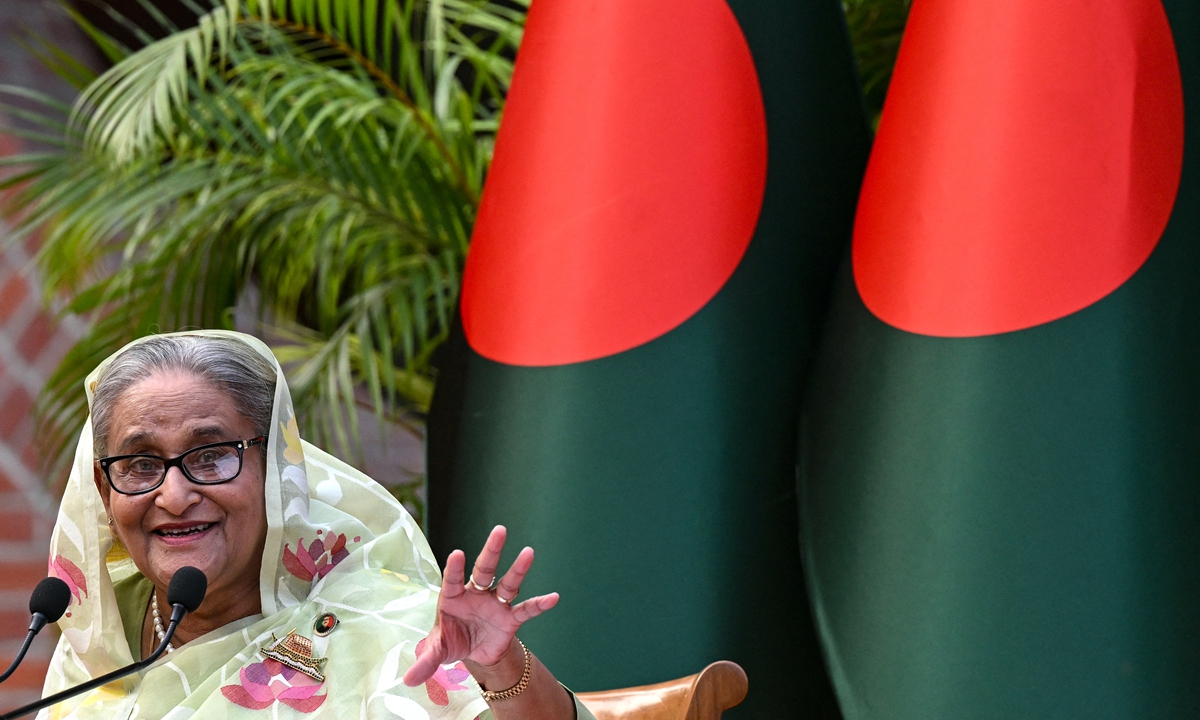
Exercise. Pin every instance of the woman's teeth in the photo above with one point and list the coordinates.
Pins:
(186, 531)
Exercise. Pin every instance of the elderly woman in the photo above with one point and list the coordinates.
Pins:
(323, 597)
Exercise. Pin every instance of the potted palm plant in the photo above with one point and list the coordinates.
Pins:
(325, 155)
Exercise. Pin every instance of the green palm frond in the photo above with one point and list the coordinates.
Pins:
(126, 109)
(327, 153)
(876, 27)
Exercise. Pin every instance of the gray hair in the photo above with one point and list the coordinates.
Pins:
(229, 365)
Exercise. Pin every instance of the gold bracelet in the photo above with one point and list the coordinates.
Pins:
(519, 688)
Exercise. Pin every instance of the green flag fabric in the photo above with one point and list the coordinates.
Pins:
(672, 190)
(999, 484)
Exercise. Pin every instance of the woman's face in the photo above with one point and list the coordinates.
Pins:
(220, 529)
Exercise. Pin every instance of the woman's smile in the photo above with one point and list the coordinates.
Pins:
(183, 533)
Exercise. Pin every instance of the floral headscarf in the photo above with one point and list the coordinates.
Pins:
(337, 543)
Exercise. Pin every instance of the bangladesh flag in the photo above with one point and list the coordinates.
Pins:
(1001, 477)
(672, 189)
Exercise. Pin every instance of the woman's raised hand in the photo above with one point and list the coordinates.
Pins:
(476, 619)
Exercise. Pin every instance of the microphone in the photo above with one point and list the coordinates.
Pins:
(47, 604)
(184, 593)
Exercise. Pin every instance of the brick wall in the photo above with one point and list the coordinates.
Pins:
(31, 344)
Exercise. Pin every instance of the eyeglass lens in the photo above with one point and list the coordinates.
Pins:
(202, 465)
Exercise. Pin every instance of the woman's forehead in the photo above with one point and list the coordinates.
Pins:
(201, 432)
(173, 407)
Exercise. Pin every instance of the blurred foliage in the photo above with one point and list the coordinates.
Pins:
(330, 154)
(875, 29)
(327, 154)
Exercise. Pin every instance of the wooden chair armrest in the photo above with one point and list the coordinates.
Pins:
(703, 696)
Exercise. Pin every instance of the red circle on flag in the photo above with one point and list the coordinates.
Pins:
(627, 181)
(1026, 165)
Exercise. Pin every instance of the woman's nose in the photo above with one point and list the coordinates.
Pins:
(177, 493)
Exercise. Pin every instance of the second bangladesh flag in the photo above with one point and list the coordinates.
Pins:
(1000, 478)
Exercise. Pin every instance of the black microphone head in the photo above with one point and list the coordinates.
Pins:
(187, 588)
(50, 598)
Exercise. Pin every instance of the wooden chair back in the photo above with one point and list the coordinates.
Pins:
(703, 696)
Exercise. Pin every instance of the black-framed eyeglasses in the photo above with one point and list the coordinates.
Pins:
(210, 464)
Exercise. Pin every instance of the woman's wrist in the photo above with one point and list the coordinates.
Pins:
(503, 674)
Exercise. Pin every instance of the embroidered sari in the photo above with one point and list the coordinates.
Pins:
(337, 542)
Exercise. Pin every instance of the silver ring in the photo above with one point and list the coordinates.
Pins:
(471, 582)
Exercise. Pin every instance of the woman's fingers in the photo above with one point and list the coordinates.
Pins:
(427, 662)
(510, 585)
(533, 607)
(470, 621)
(484, 570)
(453, 577)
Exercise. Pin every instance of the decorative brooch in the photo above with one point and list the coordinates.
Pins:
(325, 624)
(296, 651)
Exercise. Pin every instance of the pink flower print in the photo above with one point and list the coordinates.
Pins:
(270, 681)
(444, 680)
(316, 561)
(70, 573)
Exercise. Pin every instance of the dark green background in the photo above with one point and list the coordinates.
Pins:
(658, 485)
(1009, 527)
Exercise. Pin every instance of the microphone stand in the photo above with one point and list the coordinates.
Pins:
(34, 628)
(39, 620)
(47, 603)
(177, 612)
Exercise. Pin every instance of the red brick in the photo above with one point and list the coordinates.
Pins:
(14, 411)
(14, 623)
(36, 336)
(30, 674)
(33, 242)
(9, 145)
(22, 436)
(22, 576)
(12, 295)
(6, 482)
(16, 526)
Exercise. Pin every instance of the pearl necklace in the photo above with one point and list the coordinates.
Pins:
(158, 626)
